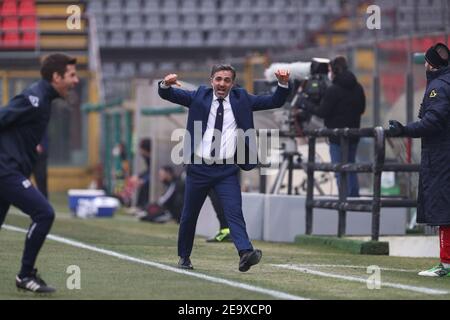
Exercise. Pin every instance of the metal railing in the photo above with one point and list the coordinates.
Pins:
(343, 204)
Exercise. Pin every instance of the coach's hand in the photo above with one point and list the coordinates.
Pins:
(171, 79)
(283, 76)
(396, 128)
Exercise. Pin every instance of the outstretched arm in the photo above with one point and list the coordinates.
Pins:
(277, 100)
(178, 96)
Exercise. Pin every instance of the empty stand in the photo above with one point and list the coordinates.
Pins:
(238, 27)
(195, 23)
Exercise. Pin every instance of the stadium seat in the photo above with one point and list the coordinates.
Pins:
(28, 23)
(245, 5)
(229, 21)
(109, 69)
(209, 21)
(152, 22)
(169, 6)
(188, 6)
(29, 39)
(10, 24)
(127, 69)
(115, 22)
(194, 39)
(137, 39)
(95, 6)
(9, 8)
(264, 19)
(99, 22)
(132, 7)
(151, 7)
(133, 22)
(27, 8)
(11, 39)
(190, 21)
(156, 38)
(118, 39)
(114, 6)
(172, 21)
(215, 38)
(146, 68)
(102, 39)
(175, 38)
(208, 7)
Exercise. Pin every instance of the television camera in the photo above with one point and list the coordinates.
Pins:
(309, 81)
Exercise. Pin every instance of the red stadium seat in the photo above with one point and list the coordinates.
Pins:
(9, 8)
(29, 39)
(28, 23)
(11, 39)
(10, 24)
(27, 8)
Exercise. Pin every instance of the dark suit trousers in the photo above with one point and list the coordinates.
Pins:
(223, 178)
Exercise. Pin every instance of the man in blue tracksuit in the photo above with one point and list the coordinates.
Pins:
(433, 127)
(23, 123)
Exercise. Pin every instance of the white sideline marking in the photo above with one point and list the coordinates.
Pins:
(352, 267)
(362, 280)
(269, 292)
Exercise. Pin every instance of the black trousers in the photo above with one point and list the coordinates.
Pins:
(17, 190)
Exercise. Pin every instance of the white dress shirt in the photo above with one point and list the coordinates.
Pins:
(228, 139)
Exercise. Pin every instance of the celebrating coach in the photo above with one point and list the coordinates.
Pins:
(220, 111)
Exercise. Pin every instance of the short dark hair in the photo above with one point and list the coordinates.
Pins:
(56, 62)
(223, 67)
(339, 65)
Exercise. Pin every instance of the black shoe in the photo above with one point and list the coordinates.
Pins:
(185, 263)
(33, 283)
(249, 259)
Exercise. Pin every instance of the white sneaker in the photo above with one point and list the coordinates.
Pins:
(437, 271)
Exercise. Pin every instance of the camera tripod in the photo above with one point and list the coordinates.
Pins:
(290, 152)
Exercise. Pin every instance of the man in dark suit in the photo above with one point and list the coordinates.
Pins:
(215, 116)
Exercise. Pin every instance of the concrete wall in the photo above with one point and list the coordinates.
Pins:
(280, 218)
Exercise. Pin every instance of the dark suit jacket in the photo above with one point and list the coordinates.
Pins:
(242, 103)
